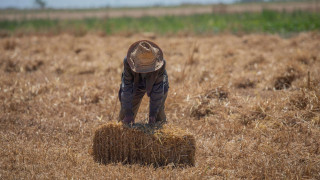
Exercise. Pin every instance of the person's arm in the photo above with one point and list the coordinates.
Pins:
(159, 88)
(127, 89)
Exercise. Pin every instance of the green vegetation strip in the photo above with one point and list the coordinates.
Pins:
(265, 21)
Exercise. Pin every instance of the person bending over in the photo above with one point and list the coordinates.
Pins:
(144, 71)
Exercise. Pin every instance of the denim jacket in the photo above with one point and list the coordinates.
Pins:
(154, 83)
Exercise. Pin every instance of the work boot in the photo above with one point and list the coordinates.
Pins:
(152, 121)
(161, 122)
(128, 120)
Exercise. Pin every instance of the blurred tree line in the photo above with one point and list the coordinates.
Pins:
(252, 1)
(245, 1)
(40, 3)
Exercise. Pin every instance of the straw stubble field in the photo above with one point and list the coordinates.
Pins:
(248, 101)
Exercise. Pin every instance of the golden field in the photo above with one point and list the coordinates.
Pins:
(248, 100)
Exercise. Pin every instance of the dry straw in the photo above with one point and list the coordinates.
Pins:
(113, 143)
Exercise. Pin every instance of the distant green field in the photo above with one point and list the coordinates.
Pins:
(263, 22)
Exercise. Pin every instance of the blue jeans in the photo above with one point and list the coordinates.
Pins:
(136, 101)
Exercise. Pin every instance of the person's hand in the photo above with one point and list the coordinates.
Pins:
(152, 120)
(128, 120)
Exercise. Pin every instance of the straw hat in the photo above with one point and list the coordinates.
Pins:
(145, 56)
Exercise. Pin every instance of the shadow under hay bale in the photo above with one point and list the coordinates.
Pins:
(113, 143)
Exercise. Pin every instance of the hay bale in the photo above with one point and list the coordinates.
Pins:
(113, 143)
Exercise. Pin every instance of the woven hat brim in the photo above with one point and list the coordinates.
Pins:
(158, 64)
